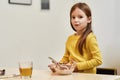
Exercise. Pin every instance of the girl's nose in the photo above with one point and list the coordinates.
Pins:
(76, 19)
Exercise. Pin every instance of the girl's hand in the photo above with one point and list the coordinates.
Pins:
(52, 67)
(65, 68)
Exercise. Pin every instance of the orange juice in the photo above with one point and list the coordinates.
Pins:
(25, 71)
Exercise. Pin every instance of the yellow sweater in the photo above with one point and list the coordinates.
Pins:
(91, 57)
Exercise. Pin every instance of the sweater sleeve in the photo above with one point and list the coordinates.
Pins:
(93, 49)
(65, 58)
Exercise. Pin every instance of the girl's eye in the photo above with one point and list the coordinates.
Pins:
(80, 16)
(73, 17)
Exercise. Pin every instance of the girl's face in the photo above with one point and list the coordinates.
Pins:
(79, 20)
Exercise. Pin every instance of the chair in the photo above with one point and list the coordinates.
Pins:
(107, 71)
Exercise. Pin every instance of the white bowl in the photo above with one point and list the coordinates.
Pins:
(64, 72)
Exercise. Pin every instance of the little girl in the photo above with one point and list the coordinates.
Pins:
(82, 46)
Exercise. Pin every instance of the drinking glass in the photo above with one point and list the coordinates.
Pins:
(25, 69)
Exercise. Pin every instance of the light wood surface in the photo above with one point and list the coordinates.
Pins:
(48, 75)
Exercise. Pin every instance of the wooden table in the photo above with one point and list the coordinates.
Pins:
(48, 75)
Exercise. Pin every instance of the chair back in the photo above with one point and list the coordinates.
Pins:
(108, 71)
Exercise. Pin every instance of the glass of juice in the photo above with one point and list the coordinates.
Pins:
(25, 69)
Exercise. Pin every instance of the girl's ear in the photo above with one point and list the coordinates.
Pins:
(89, 19)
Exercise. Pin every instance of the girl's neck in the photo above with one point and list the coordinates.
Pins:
(81, 32)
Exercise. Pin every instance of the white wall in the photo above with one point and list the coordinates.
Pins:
(29, 33)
